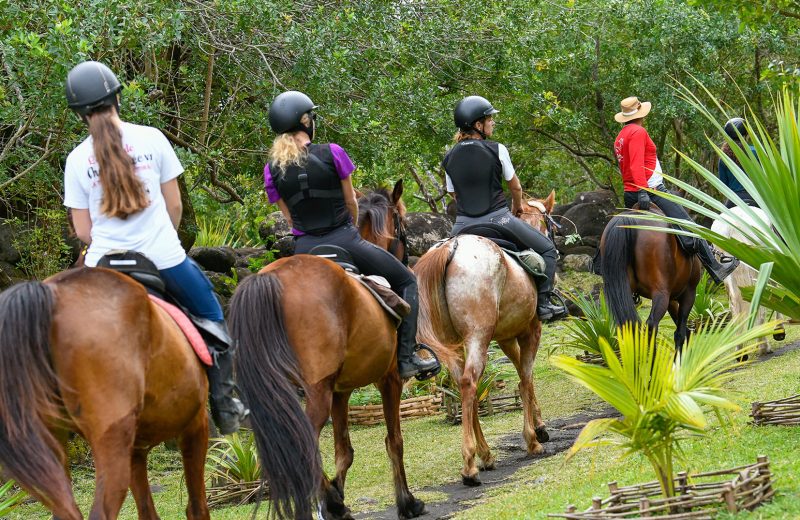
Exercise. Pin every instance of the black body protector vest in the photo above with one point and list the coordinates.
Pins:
(475, 170)
(313, 192)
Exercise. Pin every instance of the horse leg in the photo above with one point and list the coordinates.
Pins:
(194, 446)
(476, 347)
(64, 507)
(660, 304)
(390, 387)
(685, 303)
(482, 447)
(140, 486)
(113, 452)
(319, 398)
(341, 438)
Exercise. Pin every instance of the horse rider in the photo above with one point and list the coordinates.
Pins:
(736, 129)
(640, 169)
(312, 185)
(475, 168)
(121, 185)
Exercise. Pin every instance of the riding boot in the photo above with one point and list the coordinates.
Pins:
(545, 308)
(409, 364)
(718, 271)
(226, 411)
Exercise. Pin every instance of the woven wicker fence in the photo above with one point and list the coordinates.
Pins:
(491, 406)
(698, 496)
(781, 411)
(420, 406)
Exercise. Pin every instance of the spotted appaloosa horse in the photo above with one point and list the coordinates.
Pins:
(87, 351)
(470, 293)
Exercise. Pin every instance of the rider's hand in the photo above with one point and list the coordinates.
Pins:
(644, 200)
(517, 211)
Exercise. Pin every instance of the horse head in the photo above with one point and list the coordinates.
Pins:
(382, 220)
(537, 214)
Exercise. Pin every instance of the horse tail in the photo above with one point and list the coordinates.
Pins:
(268, 372)
(29, 453)
(435, 327)
(618, 254)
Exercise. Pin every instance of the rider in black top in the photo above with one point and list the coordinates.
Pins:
(312, 185)
(475, 170)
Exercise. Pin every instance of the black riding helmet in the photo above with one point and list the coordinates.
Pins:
(91, 85)
(287, 110)
(735, 125)
(470, 109)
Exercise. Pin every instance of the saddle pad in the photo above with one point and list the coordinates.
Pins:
(187, 327)
(393, 304)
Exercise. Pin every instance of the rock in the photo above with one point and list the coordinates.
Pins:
(577, 249)
(603, 197)
(9, 275)
(284, 247)
(587, 219)
(242, 273)
(425, 229)
(8, 253)
(579, 263)
(273, 228)
(224, 285)
(217, 259)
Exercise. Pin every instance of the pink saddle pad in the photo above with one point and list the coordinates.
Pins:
(188, 329)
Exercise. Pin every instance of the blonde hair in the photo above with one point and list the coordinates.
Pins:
(286, 151)
(123, 191)
(460, 135)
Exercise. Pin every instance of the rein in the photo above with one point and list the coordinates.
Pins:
(401, 238)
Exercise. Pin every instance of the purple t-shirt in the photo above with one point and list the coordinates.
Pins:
(344, 168)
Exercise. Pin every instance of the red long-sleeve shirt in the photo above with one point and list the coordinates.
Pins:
(638, 162)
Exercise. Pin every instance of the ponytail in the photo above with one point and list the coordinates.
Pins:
(123, 191)
(286, 151)
(728, 150)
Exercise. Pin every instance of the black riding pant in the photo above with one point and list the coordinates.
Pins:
(670, 209)
(526, 236)
(371, 259)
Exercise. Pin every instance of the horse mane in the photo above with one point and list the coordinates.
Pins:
(373, 207)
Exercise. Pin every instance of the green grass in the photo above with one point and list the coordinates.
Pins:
(433, 451)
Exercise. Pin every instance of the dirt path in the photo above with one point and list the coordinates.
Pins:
(511, 456)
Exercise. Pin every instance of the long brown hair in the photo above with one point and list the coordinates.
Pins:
(123, 191)
(728, 150)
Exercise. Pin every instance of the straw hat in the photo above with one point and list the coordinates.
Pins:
(632, 108)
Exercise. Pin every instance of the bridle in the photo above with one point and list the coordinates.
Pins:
(550, 225)
(400, 236)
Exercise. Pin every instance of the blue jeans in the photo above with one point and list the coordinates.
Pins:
(190, 286)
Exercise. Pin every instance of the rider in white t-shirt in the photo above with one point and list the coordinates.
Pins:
(121, 184)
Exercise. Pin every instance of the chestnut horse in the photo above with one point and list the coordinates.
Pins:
(87, 351)
(470, 293)
(651, 264)
(303, 322)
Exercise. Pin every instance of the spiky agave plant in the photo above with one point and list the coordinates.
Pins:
(663, 398)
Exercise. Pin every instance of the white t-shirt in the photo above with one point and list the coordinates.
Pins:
(505, 160)
(149, 231)
(656, 179)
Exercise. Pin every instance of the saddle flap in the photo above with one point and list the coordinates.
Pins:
(188, 328)
(135, 265)
(497, 234)
(336, 254)
(391, 302)
(531, 261)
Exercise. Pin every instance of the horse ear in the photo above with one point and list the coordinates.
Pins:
(397, 192)
(359, 195)
(550, 201)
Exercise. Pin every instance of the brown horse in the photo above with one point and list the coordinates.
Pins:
(303, 322)
(381, 220)
(87, 351)
(470, 293)
(650, 264)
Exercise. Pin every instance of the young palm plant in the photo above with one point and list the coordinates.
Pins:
(772, 177)
(234, 460)
(596, 325)
(10, 497)
(662, 396)
(707, 308)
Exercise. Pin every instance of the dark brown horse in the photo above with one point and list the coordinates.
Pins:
(381, 220)
(303, 323)
(650, 264)
(87, 351)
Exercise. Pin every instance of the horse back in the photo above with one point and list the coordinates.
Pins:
(334, 324)
(118, 355)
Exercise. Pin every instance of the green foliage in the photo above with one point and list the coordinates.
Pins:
(707, 308)
(776, 162)
(256, 263)
(219, 231)
(234, 460)
(10, 497)
(41, 243)
(661, 395)
(596, 326)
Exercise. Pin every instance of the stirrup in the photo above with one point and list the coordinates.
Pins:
(427, 374)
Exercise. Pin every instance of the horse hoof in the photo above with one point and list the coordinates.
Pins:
(412, 509)
(536, 449)
(779, 336)
(471, 481)
(541, 434)
(487, 466)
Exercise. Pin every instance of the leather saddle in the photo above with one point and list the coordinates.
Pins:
(531, 261)
(391, 302)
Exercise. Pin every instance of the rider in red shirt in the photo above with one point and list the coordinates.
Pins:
(640, 168)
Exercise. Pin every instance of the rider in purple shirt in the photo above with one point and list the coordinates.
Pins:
(312, 185)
